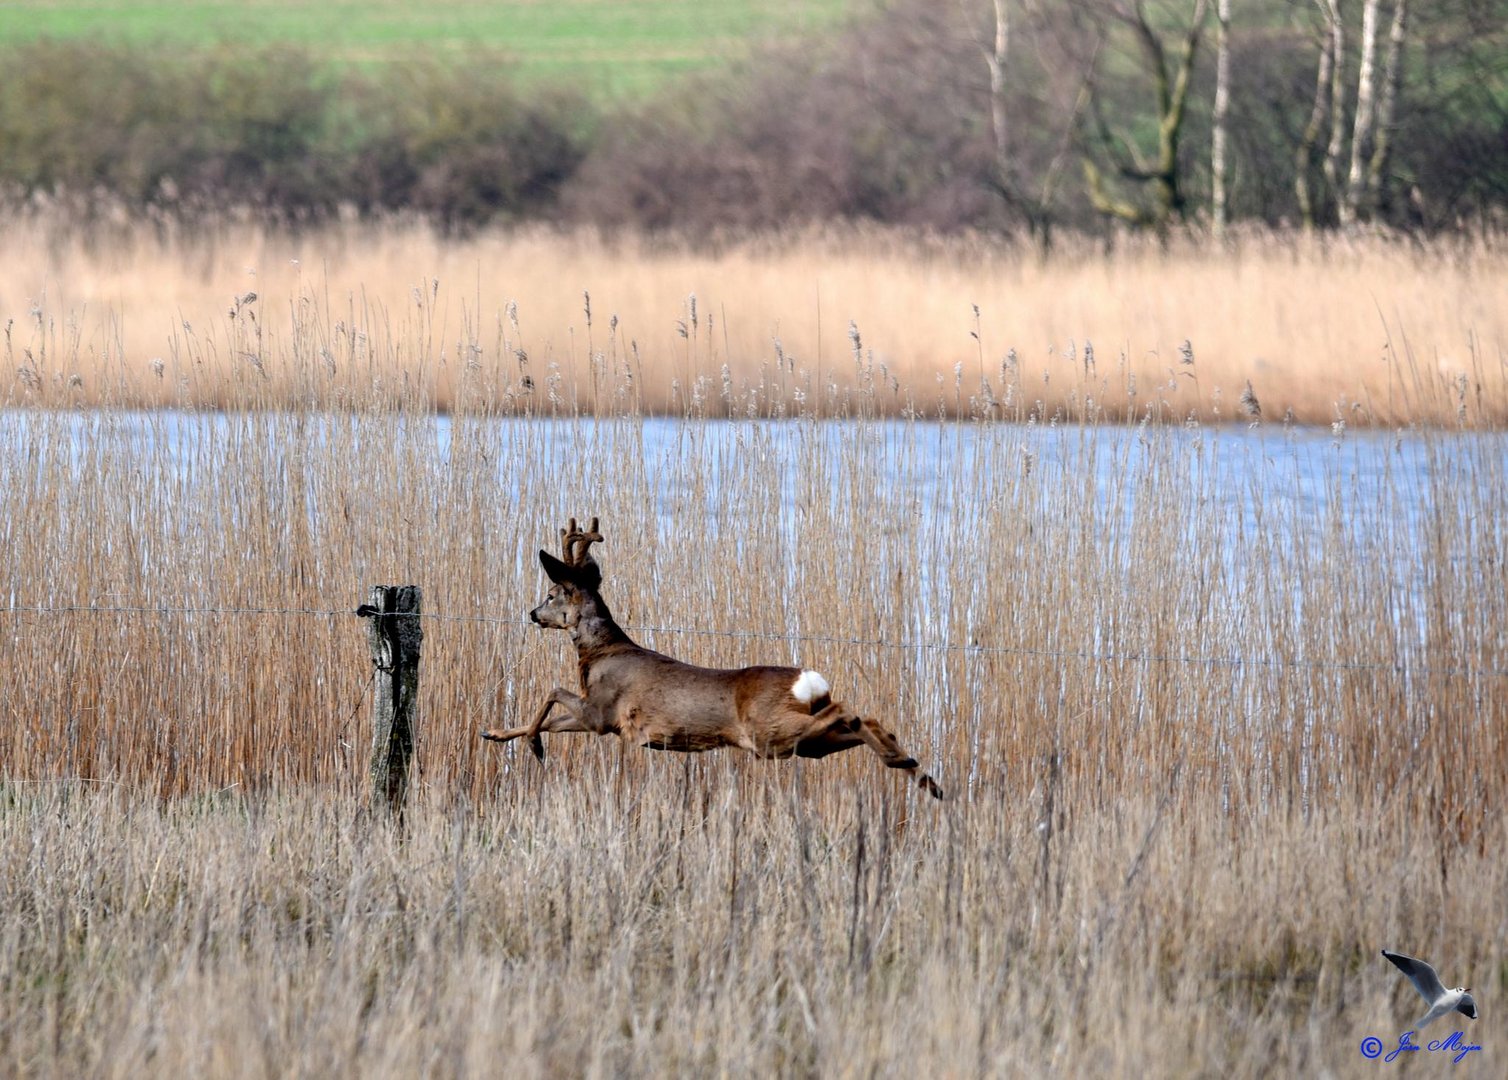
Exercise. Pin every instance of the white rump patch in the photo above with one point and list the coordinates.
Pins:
(810, 686)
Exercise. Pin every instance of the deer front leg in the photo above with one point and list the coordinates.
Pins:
(882, 742)
(575, 719)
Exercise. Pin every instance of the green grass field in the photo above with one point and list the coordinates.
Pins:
(615, 47)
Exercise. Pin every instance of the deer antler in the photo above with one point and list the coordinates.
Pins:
(574, 542)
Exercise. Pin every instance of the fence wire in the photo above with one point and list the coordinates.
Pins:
(1399, 667)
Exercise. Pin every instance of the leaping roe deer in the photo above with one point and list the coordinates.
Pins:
(652, 700)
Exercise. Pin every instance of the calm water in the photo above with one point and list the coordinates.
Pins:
(1247, 478)
(1302, 470)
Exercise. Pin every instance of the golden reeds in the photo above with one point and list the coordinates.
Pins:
(1221, 709)
(1377, 332)
(1153, 595)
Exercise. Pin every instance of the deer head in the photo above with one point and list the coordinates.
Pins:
(576, 579)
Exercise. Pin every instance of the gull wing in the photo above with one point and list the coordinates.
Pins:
(1441, 1008)
(1422, 976)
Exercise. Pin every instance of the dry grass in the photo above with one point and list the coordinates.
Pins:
(1370, 331)
(699, 922)
(1222, 714)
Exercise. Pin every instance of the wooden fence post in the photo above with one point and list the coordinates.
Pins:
(395, 636)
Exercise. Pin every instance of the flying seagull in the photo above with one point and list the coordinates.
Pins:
(1441, 1000)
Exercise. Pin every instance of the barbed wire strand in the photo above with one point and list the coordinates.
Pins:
(1089, 655)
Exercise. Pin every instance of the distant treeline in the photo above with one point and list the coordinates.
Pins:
(989, 115)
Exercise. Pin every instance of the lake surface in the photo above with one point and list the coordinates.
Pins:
(1289, 486)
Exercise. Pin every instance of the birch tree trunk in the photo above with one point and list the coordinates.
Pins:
(1309, 141)
(1218, 196)
(1352, 202)
(995, 58)
(1337, 145)
(1392, 80)
(1029, 200)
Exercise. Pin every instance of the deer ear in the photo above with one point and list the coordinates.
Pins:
(556, 570)
(586, 576)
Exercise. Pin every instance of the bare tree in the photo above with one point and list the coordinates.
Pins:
(1171, 76)
(1349, 201)
(1337, 145)
(1218, 196)
(1318, 113)
(995, 56)
(1030, 199)
(1392, 80)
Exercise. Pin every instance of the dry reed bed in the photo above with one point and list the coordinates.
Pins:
(1217, 726)
(1255, 615)
(1367, 331)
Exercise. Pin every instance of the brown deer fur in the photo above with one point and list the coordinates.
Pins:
(652, 700)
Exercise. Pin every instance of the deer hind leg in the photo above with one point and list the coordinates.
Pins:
(882, 742)
(575, 718)
(830, 738)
